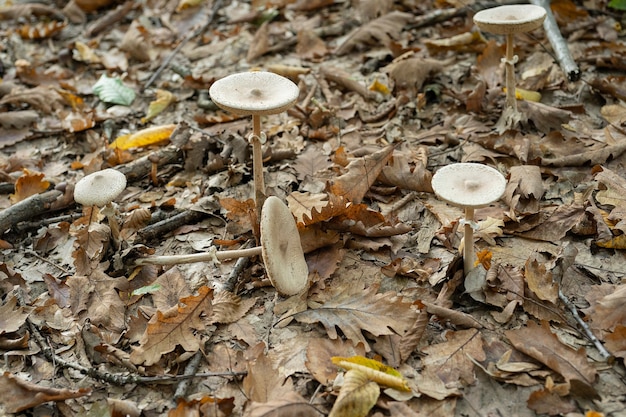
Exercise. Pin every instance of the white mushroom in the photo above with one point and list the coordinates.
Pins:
(509, 20)
(470, 186)
(282, 251)
(280, 248)
(257, 94)
(100, 189)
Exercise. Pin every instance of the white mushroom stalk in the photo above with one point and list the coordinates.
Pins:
(280, 248)
(257, 94)
(470, 186)
(509, 20)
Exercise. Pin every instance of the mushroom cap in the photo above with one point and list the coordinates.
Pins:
(281, 248)
(515, 18)
(468, 184)
(256, 93)
(99, 188)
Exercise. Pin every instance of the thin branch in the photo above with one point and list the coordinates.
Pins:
(572, 308)
(559, 45)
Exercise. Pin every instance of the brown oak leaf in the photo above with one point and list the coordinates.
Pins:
(356, 309)
(166, 330)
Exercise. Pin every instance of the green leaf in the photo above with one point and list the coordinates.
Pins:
(618, 4)
(113, 90)
(148, 289)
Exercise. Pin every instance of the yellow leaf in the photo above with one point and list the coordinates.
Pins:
(379, 87)
(527, 95)
(484, 257)
(185, 4)
(374, 370)
(163, 99)
(145, 137)
(618, 242)
(357, 396)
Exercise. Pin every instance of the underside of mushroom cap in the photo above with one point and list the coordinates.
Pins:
(514, 18)
(254, 93)
(468, 184)
(99, 188)
(281, 248)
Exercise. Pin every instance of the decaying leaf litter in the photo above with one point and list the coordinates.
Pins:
(389, 93)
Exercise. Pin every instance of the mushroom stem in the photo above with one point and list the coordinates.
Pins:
(510, 73)
(209, 256)
(468, 241)
(257, 165)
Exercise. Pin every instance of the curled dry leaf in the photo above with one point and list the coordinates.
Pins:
(357, 396)
(360, 176)
(384, 29)
(30, 183)
(538, 342)
(12, 317)
(18, 395)
(374, 370)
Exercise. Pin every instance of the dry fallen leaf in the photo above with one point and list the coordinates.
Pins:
(29, 183)
(357, 396)
(354, 310)
(18, 395)
(361, 174)
(538, 342)
(166, 330)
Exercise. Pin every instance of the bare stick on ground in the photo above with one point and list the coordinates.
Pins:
(559, 45)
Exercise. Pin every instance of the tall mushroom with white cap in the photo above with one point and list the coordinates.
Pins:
(100, 189)
(280, 248)
(255, 93)
(470, 186)
(509, 20)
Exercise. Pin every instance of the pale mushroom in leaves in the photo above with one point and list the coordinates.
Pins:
(100, 189)
(508, 20)
(255, 93)
(470, 186)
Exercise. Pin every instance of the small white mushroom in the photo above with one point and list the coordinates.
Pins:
(509, 20)
(470, 186)
(280, 249)
(255, 93)
(100, 189)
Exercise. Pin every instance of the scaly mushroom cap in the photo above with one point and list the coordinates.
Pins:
(255, 93)
(99, 188)
(281, 248)
(468, 184)
(515, 18)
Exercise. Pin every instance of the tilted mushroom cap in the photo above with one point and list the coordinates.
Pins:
(515, 18)
(468, 184)
(281, 248)
(256, 93)
(99, 188)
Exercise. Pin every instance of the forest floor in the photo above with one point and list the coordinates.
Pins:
(390, 92)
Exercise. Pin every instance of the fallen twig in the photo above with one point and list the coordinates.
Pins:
(559, 45)
(165, 226)
(572, 308)
(27, 209)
